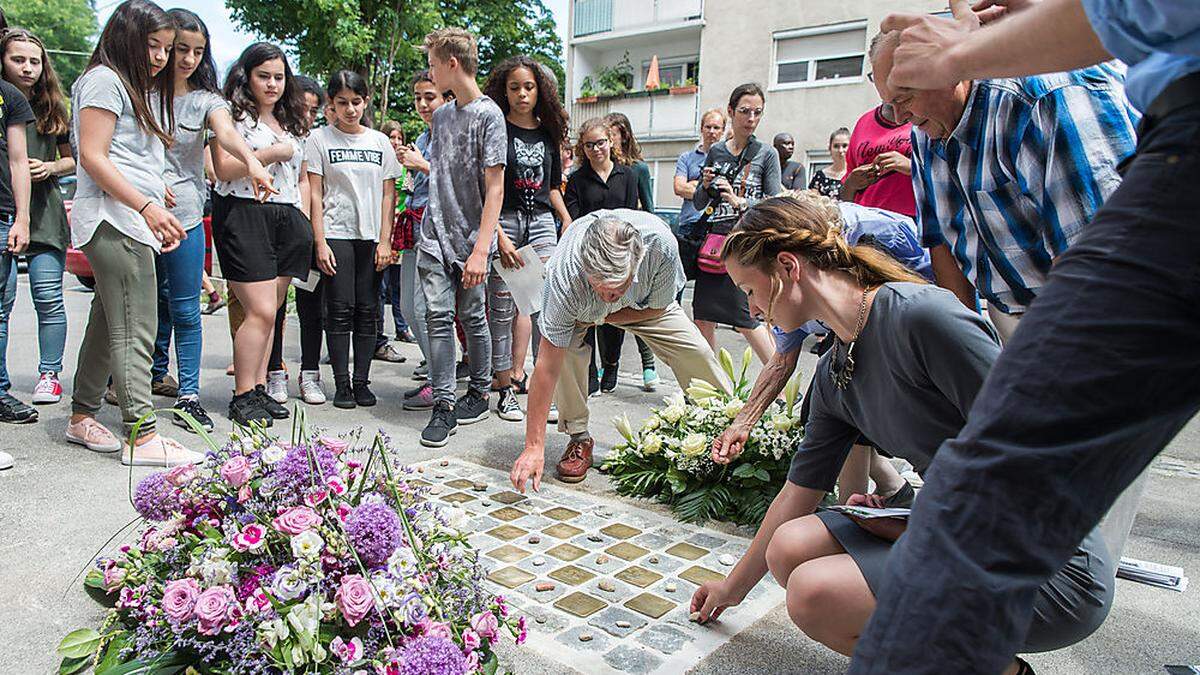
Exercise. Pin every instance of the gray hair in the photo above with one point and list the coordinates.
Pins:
(881, 41)
(611, 250)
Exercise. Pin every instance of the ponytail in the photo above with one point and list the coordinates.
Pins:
(809, 226)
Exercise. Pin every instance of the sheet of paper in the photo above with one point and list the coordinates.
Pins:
(868, 512)
(525, 283)
(308, 283)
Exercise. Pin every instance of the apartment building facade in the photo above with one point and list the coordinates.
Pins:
(808, 55)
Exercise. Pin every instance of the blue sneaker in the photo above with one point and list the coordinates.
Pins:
(649, 379)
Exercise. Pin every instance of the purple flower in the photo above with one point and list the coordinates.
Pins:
(412, 609)
(432, 656)
(155, 498)
(374, 531)
(293, 475)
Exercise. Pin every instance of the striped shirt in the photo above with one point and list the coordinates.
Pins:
(1028, 164)
(568, 298)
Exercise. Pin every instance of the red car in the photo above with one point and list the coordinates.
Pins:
(77, 262)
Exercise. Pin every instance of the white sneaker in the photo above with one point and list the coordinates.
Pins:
(310, 387)
(48, 389)
(160, 451)
(6, 461)
(277, 385)
(507, 407)
(552, 418)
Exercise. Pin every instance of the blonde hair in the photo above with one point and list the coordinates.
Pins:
(808, 225)
(460, 44)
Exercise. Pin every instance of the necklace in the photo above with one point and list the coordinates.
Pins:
(843, 373)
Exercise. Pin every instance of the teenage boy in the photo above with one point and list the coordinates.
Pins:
(15, 113)
(468, 150)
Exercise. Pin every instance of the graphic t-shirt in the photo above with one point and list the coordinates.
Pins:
(285, 175)
(873, 136)
(753, 177)
(533, 169)
(354, 167)
(466, 140)
(185, 158)
(14, 109)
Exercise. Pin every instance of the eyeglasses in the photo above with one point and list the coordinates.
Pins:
(595, 145)
(750, 112)
(871, 76)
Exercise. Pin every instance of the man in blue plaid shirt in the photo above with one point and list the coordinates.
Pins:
(1007, 172)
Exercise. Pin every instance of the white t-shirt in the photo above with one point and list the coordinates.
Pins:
(138, 154)
(354, 168)
(286, 175)
(185, 158)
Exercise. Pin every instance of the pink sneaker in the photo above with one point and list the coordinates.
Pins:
(48, 389)
(160, 451)
(93, 436)
(422, 401)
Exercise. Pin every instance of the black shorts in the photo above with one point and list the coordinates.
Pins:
(259, 242)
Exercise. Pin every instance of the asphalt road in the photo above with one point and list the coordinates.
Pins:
(60, 504)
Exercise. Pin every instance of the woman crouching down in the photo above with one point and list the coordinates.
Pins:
(904, 370)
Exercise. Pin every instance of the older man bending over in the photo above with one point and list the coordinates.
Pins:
(619, 267)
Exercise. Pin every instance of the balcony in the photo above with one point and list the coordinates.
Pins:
(655, 117)
(605, 19)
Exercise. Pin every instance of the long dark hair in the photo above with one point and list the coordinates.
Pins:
(289, 109)
(548, 111)
(629, 151)
(747, 89)
(347, 79)
(122, 48)
(46, 96)
(205, 76)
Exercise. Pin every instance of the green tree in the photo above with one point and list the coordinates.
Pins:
(66, 27)
(381, 38)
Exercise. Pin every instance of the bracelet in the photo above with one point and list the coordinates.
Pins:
(148, 203)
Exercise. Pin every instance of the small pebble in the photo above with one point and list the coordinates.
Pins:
(539, 619)
(538, 562)
(727, 560)
(606, 586)
(671, 587)
(601, 559)
(544, 586)
(479, 487)
(694, 616)
(624, 624)
(439, 476)
(585, 637)
(444, 462)
(485, 503)
(653, 560)
(535, 539)
(420, 469)
(595, 537)
(435, 489)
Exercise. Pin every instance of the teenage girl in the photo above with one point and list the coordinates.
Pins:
(261, 245)
(199, 110)
(536, 125)
(352, 172)
(49, 149)
(123, 117)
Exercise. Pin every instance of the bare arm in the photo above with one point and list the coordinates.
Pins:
(65, 164)
(560, 207)
(229, 168)
(232, 142)
(18, 166)
(304, 188)
(771, 380)
(541, 393)
(476, 268)
(316, 213)
(949, 275)
(684, 188)
(383, 250)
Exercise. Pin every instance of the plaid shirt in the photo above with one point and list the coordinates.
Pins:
(1028, 164)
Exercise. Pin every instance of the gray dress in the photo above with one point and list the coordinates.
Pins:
(919, 362)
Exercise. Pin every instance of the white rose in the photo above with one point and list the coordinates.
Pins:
(694, 445)
(402, 562)
(651, 423)
(272, 454)
(781, 423)
(673, 413)
(651, 444)
(307, 544)
(733, 408)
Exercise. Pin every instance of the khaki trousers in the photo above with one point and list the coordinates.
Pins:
(1006, 324)
(672, 337)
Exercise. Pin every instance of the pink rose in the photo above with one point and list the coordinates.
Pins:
(470, 640)
(251, 538)
(236, 471)
(244, 494)
(113, 577)
(296, 520)
(486, 624)
(435, 629)
(354, 598)
(179, 598)
(337, 445)
(348, 652)
(181, 475)
(257, 601)
(213, 608)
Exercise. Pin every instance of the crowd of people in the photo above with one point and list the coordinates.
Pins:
(1002, 176)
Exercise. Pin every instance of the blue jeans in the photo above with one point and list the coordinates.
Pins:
(389, 292)
(180, 274)
(46, 289)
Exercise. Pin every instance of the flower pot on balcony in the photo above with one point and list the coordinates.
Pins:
(685, 89)
(586, 99)
(636, 94)
(661, 91)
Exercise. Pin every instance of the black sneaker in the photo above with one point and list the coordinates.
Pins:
(245, 408)
(441, 426)
(274, 408)
(471, 407)
(193, 408)
(608, 380)
(363, 394)
(13, 411)
(343, 396)
(462, 371)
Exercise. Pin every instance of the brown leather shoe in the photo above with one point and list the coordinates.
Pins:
(576, 461)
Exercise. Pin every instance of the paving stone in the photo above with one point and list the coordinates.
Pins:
(665, 565)
(630, 659)
(562, 531)
(572, 575)
(567, 552)
(511, 577)
(626, 551)
(543, 619)
(507, 514)
(543, 598)
(699, 575)
(507, 532)
(652, 541)
(638, 576)
(561, 513)
(664, 638)
(508, 497)
(599, 643)
(580, 604)
(458, 498)
(459, 484)
(687, 551)
(649, 604)
(620, 531)
(533, 521)
(508, 553)
(681, 593)
(620, 593)
(607, 621)
(706, 541)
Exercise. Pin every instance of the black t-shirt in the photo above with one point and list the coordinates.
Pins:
(14, 109)
(532, 171)
(793, 177)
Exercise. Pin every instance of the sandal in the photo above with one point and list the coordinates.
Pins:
(902, 499)
(92, 435)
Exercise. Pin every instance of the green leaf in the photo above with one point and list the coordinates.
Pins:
(94, 579)
(73, 665)
(743, 471)
(762, 475)
(79, 643)
(489, 666)
(112, 652)
(168, 663)
(677, 480)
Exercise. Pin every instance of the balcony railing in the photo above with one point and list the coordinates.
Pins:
(652, 117)
(601, 16)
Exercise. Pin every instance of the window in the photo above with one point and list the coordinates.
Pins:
(820, 55)
(817, 160)
(674, 72)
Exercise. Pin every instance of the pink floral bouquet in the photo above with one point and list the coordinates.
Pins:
(275, 557)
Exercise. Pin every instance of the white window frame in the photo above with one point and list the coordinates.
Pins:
(814, 157)
(844, 27)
